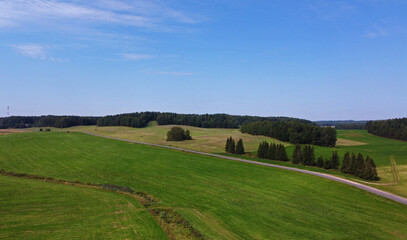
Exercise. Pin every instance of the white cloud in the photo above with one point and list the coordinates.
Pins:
(31, 50)
(139, 13)
(376, 32)
(131, 56)
(35, 51)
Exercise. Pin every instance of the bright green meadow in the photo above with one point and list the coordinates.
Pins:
(222, 199)
(32, 209)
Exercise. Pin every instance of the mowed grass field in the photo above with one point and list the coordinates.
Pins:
(32, 209)
(222, 199)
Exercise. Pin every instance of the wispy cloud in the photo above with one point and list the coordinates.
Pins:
(331, 9)
(36, 51)
(173, 73)
(132, 56)
(147, 14)
(31, 50)
(376, 32)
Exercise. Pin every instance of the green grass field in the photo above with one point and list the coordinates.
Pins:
(32, 209)
(213, 141)
(222, 199)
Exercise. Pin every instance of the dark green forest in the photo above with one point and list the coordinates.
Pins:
(46, 121)
(196, 120)
(295, 132)
(392, 128)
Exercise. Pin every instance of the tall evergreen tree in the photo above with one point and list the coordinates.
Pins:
(282, 153)
(239, 147)
(346, 163)
(305, 155)
(297, 154)
(352, 164)
(272, 152)
(369, 171)
(360, 165)
(308, 155)
(312, 156)
(320, 162)
(328, 163)
(227, 146)
(232, 146)
(263, 149)
(335, 160)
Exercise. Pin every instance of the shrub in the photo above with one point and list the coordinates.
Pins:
(178, 134)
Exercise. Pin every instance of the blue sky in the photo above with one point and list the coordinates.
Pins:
(318, 59)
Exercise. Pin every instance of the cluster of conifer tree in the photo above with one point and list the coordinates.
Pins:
(392, 128)
(46, 121)
(178, 134)
(332, 163)
(359, 166)
(306, 156)
(232, 147)
(295, 132)
(272, 151)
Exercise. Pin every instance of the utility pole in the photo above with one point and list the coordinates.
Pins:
(8, 111)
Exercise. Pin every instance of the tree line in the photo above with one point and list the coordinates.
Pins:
(356, 165)
(197, 120)
(46, 121)
(295, 132)
(306, 156)
(272, 151)
(141, 119)
(136, 120)
(359, 166)
(392, 128)
(232, 147)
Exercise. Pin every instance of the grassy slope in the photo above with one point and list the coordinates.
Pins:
(204, 139)
(213, 140)
(380, 149)
(223, 199)
(32, 209)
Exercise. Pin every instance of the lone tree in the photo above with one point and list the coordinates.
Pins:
(239, 147)
(178, 134)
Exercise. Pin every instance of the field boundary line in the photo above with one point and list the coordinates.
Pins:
(361, 186)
